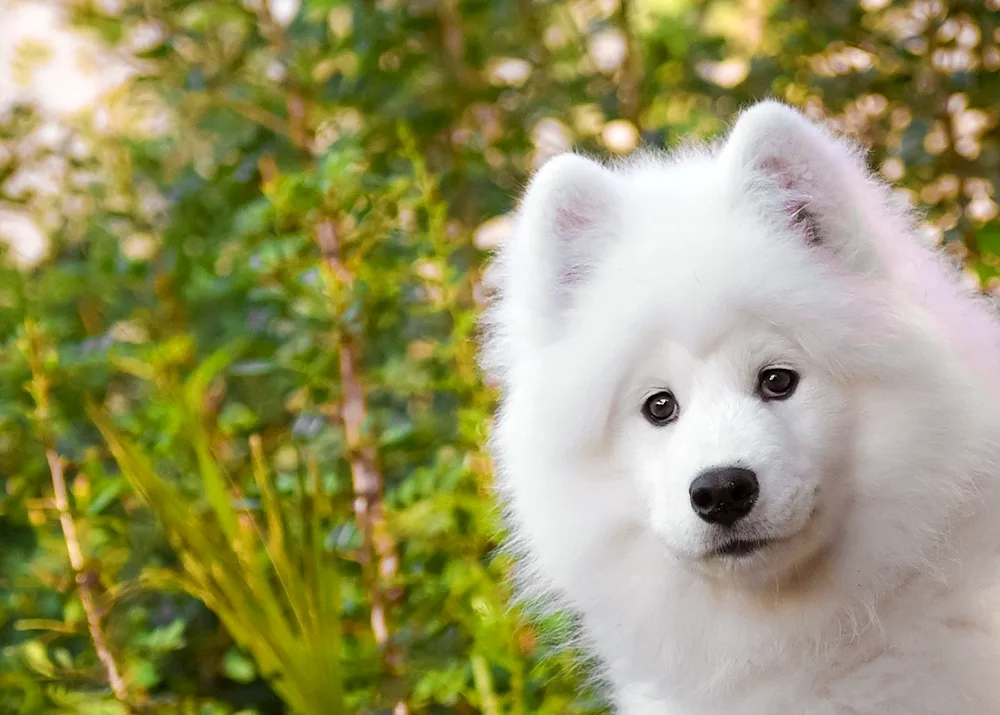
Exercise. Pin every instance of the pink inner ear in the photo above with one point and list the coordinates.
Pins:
(803, 221)
(780, 170)
(574, 215)
(577, 218)
(569, 222)
(796, 206)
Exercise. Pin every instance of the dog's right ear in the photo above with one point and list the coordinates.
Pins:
(567, 218)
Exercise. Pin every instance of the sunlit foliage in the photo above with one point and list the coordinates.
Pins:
(238, 311)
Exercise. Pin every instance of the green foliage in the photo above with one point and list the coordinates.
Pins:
(278, 217)
(284, 608)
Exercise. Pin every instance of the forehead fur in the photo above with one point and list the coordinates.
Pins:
(695, 260)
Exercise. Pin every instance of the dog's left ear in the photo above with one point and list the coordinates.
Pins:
(798, 174)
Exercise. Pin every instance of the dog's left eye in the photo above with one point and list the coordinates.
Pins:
(777, 383)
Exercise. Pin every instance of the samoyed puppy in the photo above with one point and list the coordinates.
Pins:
(750, 432)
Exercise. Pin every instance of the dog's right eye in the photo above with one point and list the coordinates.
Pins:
(777, 383)
(660, 408)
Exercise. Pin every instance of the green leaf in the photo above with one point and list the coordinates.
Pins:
(238, 667)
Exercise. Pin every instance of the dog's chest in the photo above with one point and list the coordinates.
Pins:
(938, 658)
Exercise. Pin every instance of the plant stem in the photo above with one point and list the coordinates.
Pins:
(484, 686)
(379, 558)
(378, 546)
(630, 84)
(87, 580)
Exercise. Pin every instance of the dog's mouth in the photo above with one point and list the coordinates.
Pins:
(740, 548)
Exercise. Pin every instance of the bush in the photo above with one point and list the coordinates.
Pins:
(242, 426)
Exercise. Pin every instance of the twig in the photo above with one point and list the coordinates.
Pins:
(378, 546)
(257, 115)
(488, 702)
(378, 553)
(298, 130)
(452, 39)
(630, 85)
(534, 32)
(87, 580)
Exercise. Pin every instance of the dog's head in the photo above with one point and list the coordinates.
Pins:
(712, 350)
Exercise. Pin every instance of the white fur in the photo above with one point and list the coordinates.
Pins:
(878, 476)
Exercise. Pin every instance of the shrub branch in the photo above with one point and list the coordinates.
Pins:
(379, 557)
(87, 580)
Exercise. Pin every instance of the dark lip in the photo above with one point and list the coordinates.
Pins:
(739, 548)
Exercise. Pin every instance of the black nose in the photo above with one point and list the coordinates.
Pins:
(724, 495)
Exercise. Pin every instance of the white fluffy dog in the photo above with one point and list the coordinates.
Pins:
(750, 431)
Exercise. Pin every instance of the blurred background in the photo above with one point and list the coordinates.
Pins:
(241, 422)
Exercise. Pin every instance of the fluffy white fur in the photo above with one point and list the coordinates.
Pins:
(878, 477)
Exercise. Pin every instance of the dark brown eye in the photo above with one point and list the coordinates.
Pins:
(660, 408)
(777, 383)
